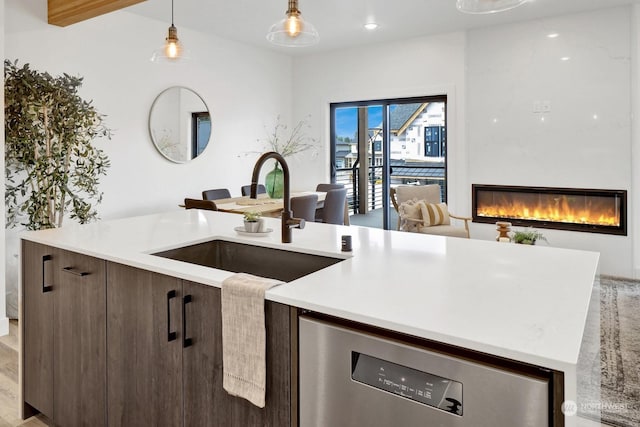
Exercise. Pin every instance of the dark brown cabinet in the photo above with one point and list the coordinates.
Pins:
(143, 350)
(109, 344)
(205, 401)
(165, 355)
(64, 329)
(37, 330)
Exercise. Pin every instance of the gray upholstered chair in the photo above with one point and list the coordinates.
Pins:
(333, 210)
(324, 188)
(327, 187)
(246, 189)
(411, 216)
(218, 193)
(304, 207)
(208, 205)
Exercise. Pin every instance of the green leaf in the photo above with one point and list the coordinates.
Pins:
(38, 155)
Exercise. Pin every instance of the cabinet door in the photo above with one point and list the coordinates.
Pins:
(79, 368)
(202, 360)
(37, 331)
(205, 401)
(144, 360)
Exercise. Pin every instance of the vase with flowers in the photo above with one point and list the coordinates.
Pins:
(296, 142)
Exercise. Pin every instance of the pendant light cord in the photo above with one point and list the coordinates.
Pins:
(172, 13)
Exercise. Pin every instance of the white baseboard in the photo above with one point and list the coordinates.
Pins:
(4, 326)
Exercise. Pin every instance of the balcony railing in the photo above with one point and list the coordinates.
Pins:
(404, 175)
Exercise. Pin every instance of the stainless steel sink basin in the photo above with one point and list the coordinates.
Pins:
(242, 258)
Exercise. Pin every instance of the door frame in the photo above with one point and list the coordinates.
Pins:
(386, 138)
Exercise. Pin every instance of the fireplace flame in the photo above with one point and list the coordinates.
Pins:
(553, 208)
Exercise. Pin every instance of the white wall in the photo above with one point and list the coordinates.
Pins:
(244, 87)
(499, 72)
(635, 134)
(584, 141)
(4, 323)
(379, 72)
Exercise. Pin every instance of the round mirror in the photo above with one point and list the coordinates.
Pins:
(179, 124)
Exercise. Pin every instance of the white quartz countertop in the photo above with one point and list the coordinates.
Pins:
(526, 303)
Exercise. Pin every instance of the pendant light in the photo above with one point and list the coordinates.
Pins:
(172, 51)
(293, 30)
(487, 6)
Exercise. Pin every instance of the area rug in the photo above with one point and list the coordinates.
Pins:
(616, 393)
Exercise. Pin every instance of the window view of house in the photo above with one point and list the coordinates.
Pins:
(413, 130)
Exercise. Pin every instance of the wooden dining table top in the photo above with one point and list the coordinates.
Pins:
(265, 205)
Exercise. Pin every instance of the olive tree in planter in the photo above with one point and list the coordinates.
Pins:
(51, 168)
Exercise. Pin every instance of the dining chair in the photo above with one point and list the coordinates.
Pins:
(324, 188)
(246, 189)
(327, 187)
(333, 210)
(420, 210)
(218, 193)
(304, 207)
(208, 205)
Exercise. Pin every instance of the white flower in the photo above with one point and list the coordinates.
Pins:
(297, 141)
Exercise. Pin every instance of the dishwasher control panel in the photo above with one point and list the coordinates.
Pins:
(419, 386)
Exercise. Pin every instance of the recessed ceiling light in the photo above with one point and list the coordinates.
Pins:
(370, 26)
(565, 58)
(552, 35)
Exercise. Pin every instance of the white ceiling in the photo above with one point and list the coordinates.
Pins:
(340, 22)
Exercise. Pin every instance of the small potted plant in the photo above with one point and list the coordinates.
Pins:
(252, 221)
(528, 236)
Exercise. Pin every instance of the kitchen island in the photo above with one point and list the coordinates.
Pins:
(526, 304)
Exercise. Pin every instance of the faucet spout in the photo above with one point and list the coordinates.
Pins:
(288, 222)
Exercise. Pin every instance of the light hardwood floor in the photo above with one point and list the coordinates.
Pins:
(9, 389)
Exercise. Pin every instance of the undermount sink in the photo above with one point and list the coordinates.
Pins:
(257, 260)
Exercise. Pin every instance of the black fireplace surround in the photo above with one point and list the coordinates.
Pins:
(573, 209)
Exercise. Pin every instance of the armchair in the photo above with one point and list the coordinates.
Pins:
(420, 210)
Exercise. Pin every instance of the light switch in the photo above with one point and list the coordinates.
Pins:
(537, 106)
(546, 106)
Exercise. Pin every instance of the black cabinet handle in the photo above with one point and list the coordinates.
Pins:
(45, 287)
(170, 335)
(186, 342)
(74, 271)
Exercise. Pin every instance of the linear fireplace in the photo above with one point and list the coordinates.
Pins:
(574, 209)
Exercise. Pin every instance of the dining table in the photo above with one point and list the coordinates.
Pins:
(267, 206)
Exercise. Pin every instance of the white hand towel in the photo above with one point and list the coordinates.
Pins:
(244, 336)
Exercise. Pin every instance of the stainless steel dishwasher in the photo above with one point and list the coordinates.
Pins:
(350, 378)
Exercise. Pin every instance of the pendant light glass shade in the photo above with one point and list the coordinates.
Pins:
(293, 30)
(172, 51)
(487, 6)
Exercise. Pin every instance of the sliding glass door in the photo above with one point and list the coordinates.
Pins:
(378, 144)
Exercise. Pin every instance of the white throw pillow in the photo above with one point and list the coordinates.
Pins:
(411, 209)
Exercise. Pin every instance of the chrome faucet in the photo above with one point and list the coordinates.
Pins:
(288, 222)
